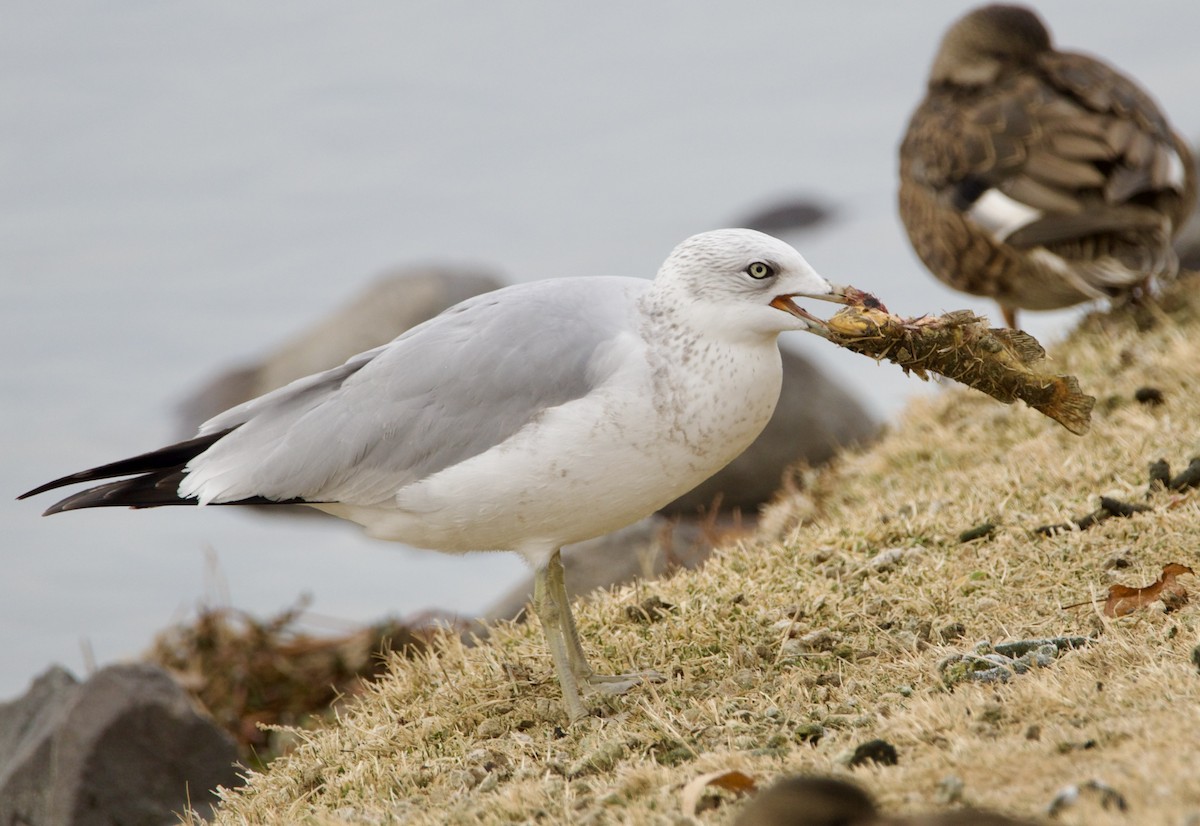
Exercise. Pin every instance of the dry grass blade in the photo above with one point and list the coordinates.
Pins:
(1005, 364)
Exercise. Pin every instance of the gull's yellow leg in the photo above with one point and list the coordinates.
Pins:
(580, 668)
(550, 608)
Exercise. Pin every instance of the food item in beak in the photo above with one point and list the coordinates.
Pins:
(1006, 364)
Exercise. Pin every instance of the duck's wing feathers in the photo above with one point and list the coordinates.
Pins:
(1152, 165)
(1076, 139)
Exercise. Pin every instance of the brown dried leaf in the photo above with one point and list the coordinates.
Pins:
(731, 780)
(1005, 364)
(1123, 599)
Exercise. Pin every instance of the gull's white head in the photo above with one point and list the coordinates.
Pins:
(743, 281)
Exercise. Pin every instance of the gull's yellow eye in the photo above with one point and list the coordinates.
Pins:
(760, 270)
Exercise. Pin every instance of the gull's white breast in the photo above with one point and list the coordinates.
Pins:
(665, 419)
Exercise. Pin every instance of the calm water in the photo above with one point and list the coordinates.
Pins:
(186, 184)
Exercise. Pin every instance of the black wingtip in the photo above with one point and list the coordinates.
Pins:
(149, 490)
(59, 507)
(57, 483)
(156, 480)
(171, 457)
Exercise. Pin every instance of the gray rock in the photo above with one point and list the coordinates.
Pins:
(126, 747)
(787, 215)
(27, 727)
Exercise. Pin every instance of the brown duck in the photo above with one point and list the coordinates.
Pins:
(1039, 178)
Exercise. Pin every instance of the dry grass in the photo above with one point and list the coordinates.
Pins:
(786, 652)
(255, 677)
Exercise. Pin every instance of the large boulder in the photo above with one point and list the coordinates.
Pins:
(128, 746)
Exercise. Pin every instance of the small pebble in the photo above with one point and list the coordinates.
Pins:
(809, 732)
(951, 632)
(650, 610)
(1188, 478)
(978, 532)
(950, 790)
(1160, 475)
(1116, 562)
(1150, 396)
(876, 751)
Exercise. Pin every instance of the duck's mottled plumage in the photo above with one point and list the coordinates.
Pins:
(1036, 177)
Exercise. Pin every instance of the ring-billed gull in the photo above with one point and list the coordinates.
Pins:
(1039, 178)
(524, 419)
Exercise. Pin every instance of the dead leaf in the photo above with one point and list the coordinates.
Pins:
(1124, 600)
(731, 780)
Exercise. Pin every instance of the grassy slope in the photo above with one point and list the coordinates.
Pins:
(472, 735)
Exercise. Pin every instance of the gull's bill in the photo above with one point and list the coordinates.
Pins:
(839, 294)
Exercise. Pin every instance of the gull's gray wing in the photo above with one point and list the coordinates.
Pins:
(442, 392)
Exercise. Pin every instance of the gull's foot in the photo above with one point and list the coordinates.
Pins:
(621, 683)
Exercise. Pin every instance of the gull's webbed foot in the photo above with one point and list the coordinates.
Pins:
(613, 684)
